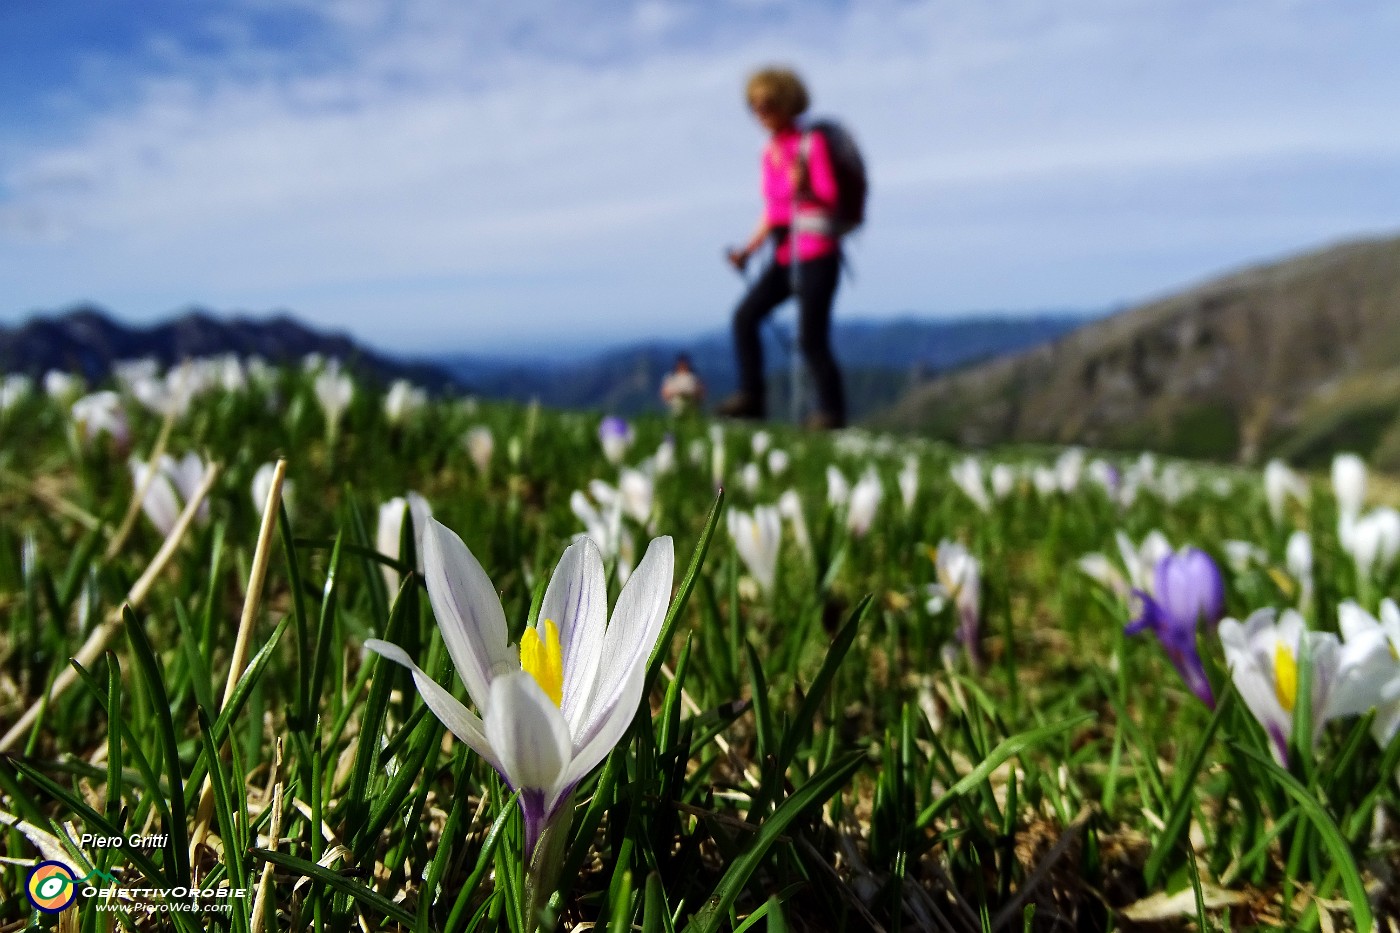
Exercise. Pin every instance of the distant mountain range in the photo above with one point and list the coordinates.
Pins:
(881, 360)
(86, 340)
(1297, 358)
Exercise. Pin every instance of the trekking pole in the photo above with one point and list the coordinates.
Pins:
(795, 371)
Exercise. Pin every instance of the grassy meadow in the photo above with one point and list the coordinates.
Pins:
(891, 689)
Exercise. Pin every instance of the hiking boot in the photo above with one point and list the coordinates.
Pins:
(740, 405)
(823, 421)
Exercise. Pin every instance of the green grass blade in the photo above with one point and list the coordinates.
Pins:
(716, 909)
(1330, 835)
(337, 883)
(1005, 751)
(160, 702)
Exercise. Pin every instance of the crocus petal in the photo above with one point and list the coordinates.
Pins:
(461, 721)
(1188, 664)
(468, 612)
(632, 632)
(1367, 671)
(1325, 651)
(160, 503)
(607, 733)
(1244, 646)
(1149, 617)
(577, 602)
(528, 733)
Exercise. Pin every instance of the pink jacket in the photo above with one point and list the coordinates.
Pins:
(813, 213)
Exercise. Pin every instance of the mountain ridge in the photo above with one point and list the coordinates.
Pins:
(86, 340)
(881, 358)
(1293, 357)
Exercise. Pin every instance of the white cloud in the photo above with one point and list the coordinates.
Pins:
(571, 167)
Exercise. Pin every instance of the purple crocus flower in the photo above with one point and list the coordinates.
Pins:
(1188, 590)
(615, 434)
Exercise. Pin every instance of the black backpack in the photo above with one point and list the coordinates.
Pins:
(849, 168)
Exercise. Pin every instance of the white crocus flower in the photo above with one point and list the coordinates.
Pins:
(1069, 470)
(959, 577)
(160, 503)
(967, 474)
(1349, 483)
(128, 372)
(1103, 571)
(185, 472)
(1045, 480)
(481, 444)
(838, 488)
(230, 373)
(553, 707)
(99, 413)
(1242, 555)
(389, 533)
(62, 387)
(1175, 483)
(865, 501)
(790, 508)
(170, 395)
(603, 493)
(637, 492)
(757, 537)
(262, 485)
(175, 481)
(334, 391)
(1263, 654)
(1281, 484)
(908, 480)
(603, 525)
(778, 461)
(1374, 541)
(402, 400)
(750, 477)
(1360, 628)
(13, 390)
(760, 442)
(1141, 560)
(664, 460)
(1003, 479)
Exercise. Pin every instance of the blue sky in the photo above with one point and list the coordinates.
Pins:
(449, 175)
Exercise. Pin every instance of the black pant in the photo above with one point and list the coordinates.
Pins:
(816, 289)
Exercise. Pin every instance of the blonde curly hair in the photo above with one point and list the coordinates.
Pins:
(778, 89)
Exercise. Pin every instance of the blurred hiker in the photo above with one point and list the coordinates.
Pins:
(682, 390)
(805, 213)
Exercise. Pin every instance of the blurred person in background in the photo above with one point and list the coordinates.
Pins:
(682, 390)
(799, 188)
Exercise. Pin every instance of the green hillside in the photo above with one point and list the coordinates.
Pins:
(1296, 358)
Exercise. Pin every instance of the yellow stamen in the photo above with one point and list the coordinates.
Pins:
(1285, 676)
(543, 659)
